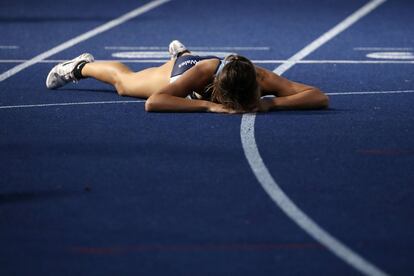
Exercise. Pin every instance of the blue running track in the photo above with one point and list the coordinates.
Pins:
(91, 184)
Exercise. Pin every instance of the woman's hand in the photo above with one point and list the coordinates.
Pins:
(265, 104)
(219, 108)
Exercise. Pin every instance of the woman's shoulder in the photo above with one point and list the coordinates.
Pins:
(208, 66)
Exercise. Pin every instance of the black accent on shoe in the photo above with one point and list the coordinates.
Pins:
(183, 52)
(77, 72)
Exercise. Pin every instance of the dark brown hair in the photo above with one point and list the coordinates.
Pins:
(236, 86)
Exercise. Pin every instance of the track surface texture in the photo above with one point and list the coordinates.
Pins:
(91, 184)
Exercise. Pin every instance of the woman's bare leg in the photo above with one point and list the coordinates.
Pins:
(140, 84)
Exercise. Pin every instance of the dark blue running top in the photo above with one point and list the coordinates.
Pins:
(184, 63)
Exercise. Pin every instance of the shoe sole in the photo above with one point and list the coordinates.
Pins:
(49, 76)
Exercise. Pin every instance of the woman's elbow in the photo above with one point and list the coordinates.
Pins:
(322, 100)
(150, 104)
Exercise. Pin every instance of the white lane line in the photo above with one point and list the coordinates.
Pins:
(337, 61)
(329, 35)
(9, 47)
(369, 92)
(63, 60)
(263, 175)
(382, 49)
(346, 93)
(266, 61)
(192, 48)
(107, 26)
(69, 104)
(164, 54)
(391, 55)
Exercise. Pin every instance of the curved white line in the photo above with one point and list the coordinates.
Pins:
(289, 207)
(269, 184)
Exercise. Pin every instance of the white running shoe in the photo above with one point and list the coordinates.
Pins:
(62, 73)
(176, 48)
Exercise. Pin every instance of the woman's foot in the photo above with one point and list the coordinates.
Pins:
(67, 71)
(176, 49)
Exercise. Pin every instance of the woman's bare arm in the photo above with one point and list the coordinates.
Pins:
(289, 94)
(172, 97)
(169, 103)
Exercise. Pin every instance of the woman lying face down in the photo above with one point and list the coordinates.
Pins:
(190, 83)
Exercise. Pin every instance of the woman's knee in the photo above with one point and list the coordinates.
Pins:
(121, 83)
(118, 73)
(120, 89)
